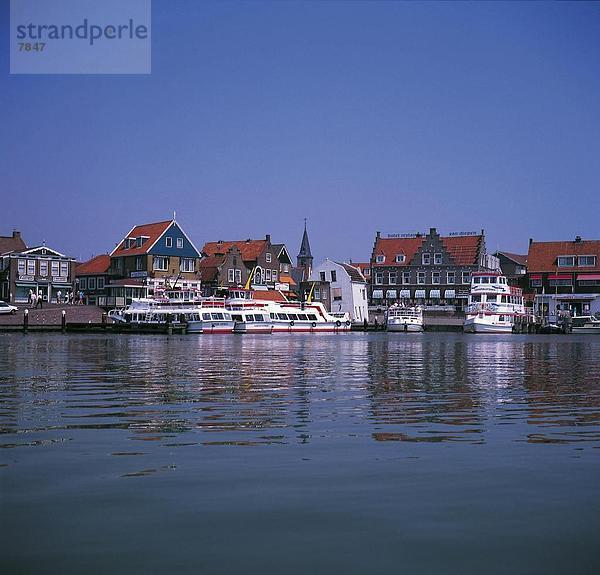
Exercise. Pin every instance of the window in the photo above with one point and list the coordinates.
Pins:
(83, 283)
(426, 259)
(55, 266)
(420, 277)
(43, 268)
(324, 294)
(333, 276)
(586, 261)
(64, 269)
(138, 242)
(238, 276)
(92, 283)
(561, 282)
(186, 265)
(566, 261)
(435, 277)
(322, 276)
(160, 263)
(285, 268)
(100, 283)
(450, 277)
(336, 293)
(169, 241)
(535, 282)
(400, 258)
(180, 243)
(274, 275)
(317, 293)
(406, 278)
(139, 263)
(466, 277)
(30, 267)
(380, 259)
(21, 267)
(588, 282)
(367, 271)
(393, 278)
(378, 278)
(437, 259)
(268, 258)
(230, 275)
(268, 275)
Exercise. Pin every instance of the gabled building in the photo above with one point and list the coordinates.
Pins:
(92, 279)
(347, 288)
(38, 270)
(514, 267)
(566, 274)
(159, 254)
(427, 269)
(257, 263)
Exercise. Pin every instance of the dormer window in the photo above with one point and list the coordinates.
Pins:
(426, 259)
(169, 241)
(400, 258)
(380, 259)
(180, 243)
(566, 261)
(586, 261)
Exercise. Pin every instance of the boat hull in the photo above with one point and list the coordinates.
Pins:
(217, 327)
(404, 327)
(480, 325)
(250, 327)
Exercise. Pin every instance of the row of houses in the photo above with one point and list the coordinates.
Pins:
(425, 268)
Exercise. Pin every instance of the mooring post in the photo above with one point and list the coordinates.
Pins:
(25, 320)
(63, 321)
(104, 316)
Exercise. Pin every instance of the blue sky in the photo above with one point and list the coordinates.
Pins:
(360, 117)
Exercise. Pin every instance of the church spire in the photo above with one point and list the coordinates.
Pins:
(304, 259)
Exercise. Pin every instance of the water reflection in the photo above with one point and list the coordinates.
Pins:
(182, 392)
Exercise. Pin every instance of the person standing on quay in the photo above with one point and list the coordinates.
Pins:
(32, 299)
(58, 296)
(40, 300)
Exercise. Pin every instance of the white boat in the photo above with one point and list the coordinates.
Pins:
(588, 324)
(404, 318)
(493, 306)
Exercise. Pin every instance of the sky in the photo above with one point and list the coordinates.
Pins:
(360, 117)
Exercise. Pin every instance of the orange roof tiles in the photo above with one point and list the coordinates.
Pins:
(250, 249)
(392, 247)
(97, 265)
(151, 231)
(543, 256)
(268, 295)
(464, 250)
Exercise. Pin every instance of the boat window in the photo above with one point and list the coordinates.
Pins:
(501, 318)
(504, 299)
(491, 298)
(476, 297)
(227, 316)
(217, 316)
(476, 280)
(312, 317)
(236, 317)
(292, 316)
(273, 316)
(206, 316)
(302, 316)
(258, 317)
(282, 315)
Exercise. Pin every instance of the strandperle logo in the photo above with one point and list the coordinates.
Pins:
(80, 37)
(85, 31)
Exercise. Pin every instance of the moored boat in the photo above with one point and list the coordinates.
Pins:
(404, 318)
(586, 324)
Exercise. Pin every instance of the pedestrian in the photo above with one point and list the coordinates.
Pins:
(58, 296)
(30, 297)
(40, 300)
(33, 299)
(80, 297)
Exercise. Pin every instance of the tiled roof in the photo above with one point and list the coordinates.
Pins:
(517, 258)
(250, 249)
(151, 231)
(287, 279)
(269, 295)
(97, 265)
(208, 267)
(543, 256)
(353, 271)
(464, 250)
(392, 247)
(12, 243)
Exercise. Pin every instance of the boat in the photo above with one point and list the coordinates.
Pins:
(493, 305)
(404, 318)
(587, 324)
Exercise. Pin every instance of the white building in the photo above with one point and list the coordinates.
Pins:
(348, 288)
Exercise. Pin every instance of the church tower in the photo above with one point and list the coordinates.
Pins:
(304, 260)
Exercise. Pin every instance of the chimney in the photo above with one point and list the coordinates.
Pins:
(578, 239)
(16, 235)
(432, 231)
(530, 241)
(378, 235)
(268, 238)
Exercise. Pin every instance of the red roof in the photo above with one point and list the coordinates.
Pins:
(12, 243)
(517, 258)
(268, 295)
(208, 267)
(150, 231)
(464, 250)
(543, 256)
(250, 249)
(97, 265)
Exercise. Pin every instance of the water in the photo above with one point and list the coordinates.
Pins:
(354, 453)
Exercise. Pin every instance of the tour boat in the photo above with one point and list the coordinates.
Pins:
(493, 306)
(586, 324)
(404, 318)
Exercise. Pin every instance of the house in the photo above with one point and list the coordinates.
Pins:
(347, 286)
(92, 279)
(8, 244)
(364, 268)
(427, 269)
(565, 275)
(156, 255)
(259, 264)
(513, 266)
(39, 269)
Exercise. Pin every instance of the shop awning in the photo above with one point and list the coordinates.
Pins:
(377, 294)
(535, 276)
(588, 277)
(26, 284)
(391, 294)
(559, 277)
(434, 294)
(69, 286)
(420, 293)
(405, 293)
(450, 294)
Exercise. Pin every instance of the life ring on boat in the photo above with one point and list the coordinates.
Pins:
(347, 322)
(313, 324)
(291, 323)
(338, 323)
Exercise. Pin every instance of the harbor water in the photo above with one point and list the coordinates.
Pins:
(351, 453)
